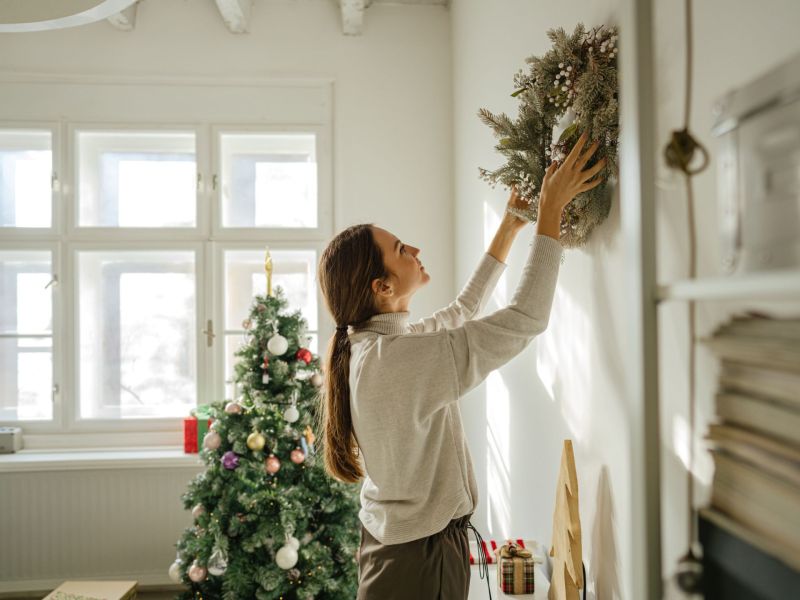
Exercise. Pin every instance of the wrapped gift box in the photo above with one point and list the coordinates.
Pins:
(195, 428)
(94, 590)
(515, 568)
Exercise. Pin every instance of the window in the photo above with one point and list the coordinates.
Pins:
(162, 245)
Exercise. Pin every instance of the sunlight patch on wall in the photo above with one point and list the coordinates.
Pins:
(563, 361)
(498, 456)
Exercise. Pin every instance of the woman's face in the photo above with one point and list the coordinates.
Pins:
(406, 273)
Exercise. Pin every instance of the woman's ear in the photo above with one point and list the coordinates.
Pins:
(381, 288)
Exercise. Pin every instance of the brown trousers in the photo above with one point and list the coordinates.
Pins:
(430, 568)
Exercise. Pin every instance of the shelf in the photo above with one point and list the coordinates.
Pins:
(774, 285)
(110, 458)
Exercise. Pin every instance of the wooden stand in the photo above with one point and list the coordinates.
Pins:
(567, 576)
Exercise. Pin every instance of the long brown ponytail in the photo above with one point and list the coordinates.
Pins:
(346, 269)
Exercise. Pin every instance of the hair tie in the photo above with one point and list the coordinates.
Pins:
(342, 328)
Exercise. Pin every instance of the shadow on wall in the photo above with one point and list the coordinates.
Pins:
(604, 567)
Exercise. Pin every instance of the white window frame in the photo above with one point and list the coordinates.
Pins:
(208, 239)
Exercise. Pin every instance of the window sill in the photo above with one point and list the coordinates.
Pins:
(98, 458)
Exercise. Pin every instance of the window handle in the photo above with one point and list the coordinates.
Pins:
(53, 281)
(54, 181)
(209, 333)
(214, 182)
(199, 181)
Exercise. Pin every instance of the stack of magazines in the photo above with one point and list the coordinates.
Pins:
(756, 440)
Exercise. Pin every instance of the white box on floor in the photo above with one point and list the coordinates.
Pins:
(94, 590)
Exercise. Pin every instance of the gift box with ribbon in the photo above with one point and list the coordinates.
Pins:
(195, 428)
(515, 568)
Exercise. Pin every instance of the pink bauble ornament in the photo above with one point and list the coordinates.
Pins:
(197, 573)
(272, 464)
(212, 440)
(297, 456)
(233, 408)
(198, 511)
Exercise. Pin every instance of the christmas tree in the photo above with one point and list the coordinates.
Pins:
(269, 522)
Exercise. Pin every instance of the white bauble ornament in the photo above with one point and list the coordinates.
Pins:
(198, 511)
(293, 543)
(291, 414)
(316, 380)
(277, 345)
(212, 440)
(175, 572)
(286, 557)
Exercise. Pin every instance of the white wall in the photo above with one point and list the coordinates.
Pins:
(570, 383)
(392, 90)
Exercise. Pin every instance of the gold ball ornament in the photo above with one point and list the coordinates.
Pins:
(256, 441)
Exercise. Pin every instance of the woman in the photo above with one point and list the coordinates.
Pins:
(390, 412)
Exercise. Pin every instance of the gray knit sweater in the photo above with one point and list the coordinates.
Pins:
(405, 382)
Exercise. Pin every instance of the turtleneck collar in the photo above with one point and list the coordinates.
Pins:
(384, 323)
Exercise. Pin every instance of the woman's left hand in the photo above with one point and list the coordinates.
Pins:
(515, 201)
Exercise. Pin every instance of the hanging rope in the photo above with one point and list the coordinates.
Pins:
(679, 154)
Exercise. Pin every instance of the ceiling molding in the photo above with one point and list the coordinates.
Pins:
(125, 20)
(236, 14)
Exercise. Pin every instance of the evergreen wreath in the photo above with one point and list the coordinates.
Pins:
(573, 87)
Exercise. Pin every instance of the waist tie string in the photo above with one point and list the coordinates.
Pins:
(483, 561)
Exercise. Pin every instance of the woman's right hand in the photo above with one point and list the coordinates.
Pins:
(562, 183)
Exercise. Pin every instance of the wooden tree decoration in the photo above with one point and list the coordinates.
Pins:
(567, 576)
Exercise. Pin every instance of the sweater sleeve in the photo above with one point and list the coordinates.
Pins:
(470, 301)
(483, 345)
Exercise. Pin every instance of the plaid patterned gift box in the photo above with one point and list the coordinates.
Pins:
(515, 569)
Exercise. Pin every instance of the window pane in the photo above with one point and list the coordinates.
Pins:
(26, 301)
(293, 270)
(26, 323)
(26, 168)
(137, 333)
(26, 379)
(269, 180)
(137, 179)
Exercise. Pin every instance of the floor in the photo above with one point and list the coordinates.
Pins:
(477, 590)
